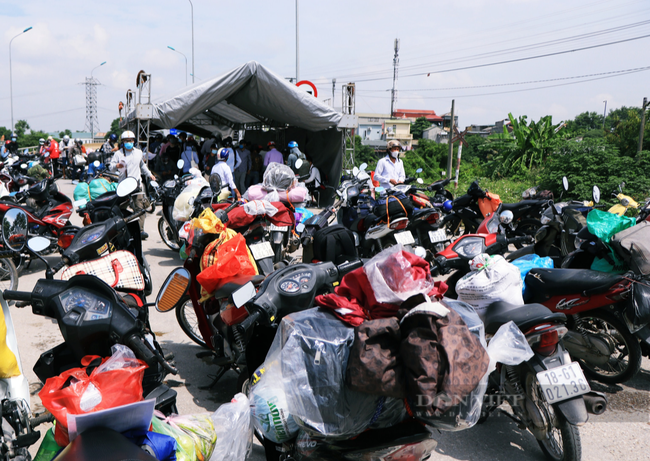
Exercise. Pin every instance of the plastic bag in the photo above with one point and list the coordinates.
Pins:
(603, 224)
(161, 446)
(200, 428)
(233, 259)
(184, 203)
(528, 262)
(278, 176)
(260, 207)
(269, 408)
(302, 214)
(8, 362)
(495, 280)
(117, 381)
(48, 448)
(508, 346)
(232, 421)
(315, 350)
(81, 191)
(394, 279)
(208, 222)
(99, 187)
(185, 450)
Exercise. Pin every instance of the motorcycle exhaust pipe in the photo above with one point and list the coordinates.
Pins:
(596, 402)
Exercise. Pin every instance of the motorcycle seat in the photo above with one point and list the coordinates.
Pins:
(419, 211)
(525, 316)
(542, 284)
(516, 206)
(97, 443)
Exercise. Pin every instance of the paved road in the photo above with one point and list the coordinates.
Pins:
(623, 433)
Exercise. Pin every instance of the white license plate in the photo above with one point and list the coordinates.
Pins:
(261, 250)
(273, 227)
(405, 238)
(563, 382)
(438, 236)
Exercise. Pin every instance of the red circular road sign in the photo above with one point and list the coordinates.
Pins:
(307, 82)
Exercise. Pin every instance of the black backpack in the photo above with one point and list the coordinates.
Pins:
(335, 244)
(399, 206)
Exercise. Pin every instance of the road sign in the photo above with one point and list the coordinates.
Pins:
(173, 131)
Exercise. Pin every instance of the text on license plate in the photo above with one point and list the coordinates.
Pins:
(273, 227)
(563, 382)
(261, 250)
(404, 238)
(438, 236)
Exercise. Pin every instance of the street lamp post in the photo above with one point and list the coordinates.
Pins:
(11, 89)
(192, 8)
(174, 49)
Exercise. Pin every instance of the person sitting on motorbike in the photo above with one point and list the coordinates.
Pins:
(64, 148)
(12, 146)
(78, 160)
(129, 162)
(223, 170)
(390, 169)
(42, 148)
(110, 145)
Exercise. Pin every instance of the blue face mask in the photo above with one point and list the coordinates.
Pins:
(214, 151)
(128, 145)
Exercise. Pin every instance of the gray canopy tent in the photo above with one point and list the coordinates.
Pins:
(266, 106)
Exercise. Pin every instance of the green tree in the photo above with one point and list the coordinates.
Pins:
(5, 133)
(115, 129)
(418, 127)
(364, 154)
(20, 127)
(584, 122)
(625, 132)
(64, 132)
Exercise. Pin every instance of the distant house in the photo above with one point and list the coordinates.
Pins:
(376, 130)
(413, 115)
(437, 134)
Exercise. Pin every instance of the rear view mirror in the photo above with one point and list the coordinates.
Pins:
(96, 163)
(355, 171)
(173, 289)
(418, 171)
(565, 183)
(126, 187)
(419, 181)
(14, 229)
(298, 164)
(154, 184)
(243, 295)
(595, 194)
(180, 164)
(38, 244)
(363, 166)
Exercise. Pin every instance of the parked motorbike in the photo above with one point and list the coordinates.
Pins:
(625, 202)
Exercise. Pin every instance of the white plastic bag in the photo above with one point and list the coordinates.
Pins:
(492, 279)
(232, 421)
(184, 203)
(393, 278)
(508, 346)
(260, 207)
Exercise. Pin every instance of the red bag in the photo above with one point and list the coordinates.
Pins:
(116, 381)
(233, 260)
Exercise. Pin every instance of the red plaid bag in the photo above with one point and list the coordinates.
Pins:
(119, 270)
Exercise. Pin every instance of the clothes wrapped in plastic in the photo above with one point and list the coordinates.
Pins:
(260, 207)
(528, 262)
(100, 186)
(232, 422)
(297, 194)
(38, 172)
(394, 278)
(315, 349)
(269, 409)
(200, 429)
(208, 222)
(604, 225)
(185, 450)
(278, 176)
(492, 279)
(161, 446)
(508, 346)
(81, 192)
(184, 203)
(302, 214)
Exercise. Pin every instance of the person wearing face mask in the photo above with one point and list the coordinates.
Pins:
(390, 169)
(223, 170)
(129, 162)
(12, 146)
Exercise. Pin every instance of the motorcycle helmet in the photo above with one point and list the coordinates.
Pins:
(66, 138)
(271, 144)
(127, 135)
(77, 141)
(113, 137)
(292, 144)
(222, 154)
(92, 157)
(447, 205)
(215, 183)
(41, 141)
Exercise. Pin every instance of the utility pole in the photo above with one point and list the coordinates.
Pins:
(451, 144)
(297, 48)
(604, 114)
(393, 97)
(643, 108)
(333, 90)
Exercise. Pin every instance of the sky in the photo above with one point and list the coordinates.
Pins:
(528, 57)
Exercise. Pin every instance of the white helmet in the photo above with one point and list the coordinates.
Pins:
(41, 141)
(66, 138)
(127, 135)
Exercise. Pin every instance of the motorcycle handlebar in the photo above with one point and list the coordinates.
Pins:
(134, 216)
(349, 266)
(17, 295)
(251, 320)
(7, 254)
(521, 239)
(142, 350)
(60, 265)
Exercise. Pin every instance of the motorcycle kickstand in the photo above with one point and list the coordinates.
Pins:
(216, 379)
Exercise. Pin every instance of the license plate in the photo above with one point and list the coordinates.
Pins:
(273, 227)
(261, 250)
(438, 236)
(563, 382)
(405, 238)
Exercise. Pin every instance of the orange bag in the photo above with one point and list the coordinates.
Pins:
(116, 381)
(232, 260)
(490, 204)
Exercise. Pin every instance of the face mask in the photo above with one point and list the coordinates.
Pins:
(214, 151)
(13, 139)
(128, 145)
(394, 154)
(241, 146)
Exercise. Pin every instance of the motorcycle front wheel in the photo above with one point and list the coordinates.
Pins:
(188, 321)
(167, 235)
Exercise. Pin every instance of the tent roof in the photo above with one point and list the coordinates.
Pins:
(246, 97)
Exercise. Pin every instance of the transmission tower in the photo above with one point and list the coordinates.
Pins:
(348, 123)
(92, 122)
(393, 94)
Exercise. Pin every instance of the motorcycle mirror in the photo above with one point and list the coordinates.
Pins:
(300, 227)
(154, 184)
(298, 163)
(23, 166)
(14, 229)
(565, 183)
(363, 176)
(77, 204)
(355, 171)
(38, 244)
(126, 187)
(418, 171)
(380, 189)
(47, 154)
(595, 194)
(173, 289)
(180, 164)
(26, 152)
(506, 217)
(243, 295)
(419, 181)
(363, 166)
(96, 163)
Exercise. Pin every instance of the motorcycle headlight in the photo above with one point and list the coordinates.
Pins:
(469, 247)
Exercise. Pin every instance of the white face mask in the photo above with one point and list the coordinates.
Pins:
(394, 154)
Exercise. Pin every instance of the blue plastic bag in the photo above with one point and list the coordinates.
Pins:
(304, 213)
(528, 262)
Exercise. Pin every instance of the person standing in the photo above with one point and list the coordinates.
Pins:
(223, 170)
(257, 164)
(53, 149)
(390, 169)
(188, 156)
(273, 155)
(130, 163)
(12, 146)
(244, 168)
(293, 156)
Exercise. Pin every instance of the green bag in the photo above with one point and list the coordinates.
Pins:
(49, 448)
(81, 192)
(603, 224)
(100, 186)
